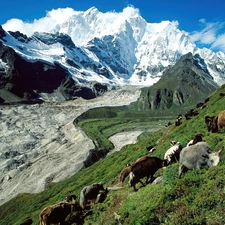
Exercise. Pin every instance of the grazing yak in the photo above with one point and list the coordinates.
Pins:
(200, 105)
(144, 168)
(151, 149)
(125, 172)
(173, 154)
(189, 114)
(196, 157)
(89, 194)
(70, 198)
(209, 122)
(56, 214)
(197, 138)
(215, 123)
(102, 196)
(178, 121)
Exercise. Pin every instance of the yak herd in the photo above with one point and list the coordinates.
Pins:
(195, 155)
(69, 211)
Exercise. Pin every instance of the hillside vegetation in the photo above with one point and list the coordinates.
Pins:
(197, 198)
(184, 84)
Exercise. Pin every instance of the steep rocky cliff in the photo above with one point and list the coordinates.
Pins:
(25, 81)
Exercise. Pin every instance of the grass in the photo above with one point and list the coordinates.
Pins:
(197, 198)
(101, 123)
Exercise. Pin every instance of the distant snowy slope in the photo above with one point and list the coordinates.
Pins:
(110, 48)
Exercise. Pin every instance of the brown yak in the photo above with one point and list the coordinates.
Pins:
(145, 168)
(125, 172)
(215, 123)
(56, 214)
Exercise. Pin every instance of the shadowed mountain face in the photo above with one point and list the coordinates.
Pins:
(186, 83)
(26, 81)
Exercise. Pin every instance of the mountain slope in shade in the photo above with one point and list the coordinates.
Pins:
(24, 81)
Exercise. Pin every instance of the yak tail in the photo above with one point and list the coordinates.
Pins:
(42, 222)
(82, 198)
(131, 176)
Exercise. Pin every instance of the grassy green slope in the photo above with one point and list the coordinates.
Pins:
(101, 123)
(197, 198)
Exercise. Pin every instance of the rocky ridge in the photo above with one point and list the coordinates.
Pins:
(185, 84)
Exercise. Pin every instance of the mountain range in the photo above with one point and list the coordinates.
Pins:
(92, 52)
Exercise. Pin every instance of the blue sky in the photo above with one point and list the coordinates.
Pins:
(204, 20)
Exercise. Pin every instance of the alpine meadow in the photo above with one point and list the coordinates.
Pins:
(196, 198)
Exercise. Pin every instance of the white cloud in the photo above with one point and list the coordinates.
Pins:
(202, 20)
(59, 16)
(208, 37)
(130, 11)
(45, 24)
(212, 34)
(219, 43)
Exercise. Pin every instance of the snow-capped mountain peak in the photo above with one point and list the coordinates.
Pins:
(84, 26)
(111, 47)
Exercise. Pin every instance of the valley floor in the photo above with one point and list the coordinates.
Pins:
(39, 143)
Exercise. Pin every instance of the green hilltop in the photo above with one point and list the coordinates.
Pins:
(184, 84)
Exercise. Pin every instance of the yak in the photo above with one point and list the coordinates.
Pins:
(102, 196)
(56, 214)
(196, 157)
(125, 172)
(145, 168)
(197, 138)
(189, 114)
(215, 123)
(173, 153)
(89, 194)
(70, 198)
